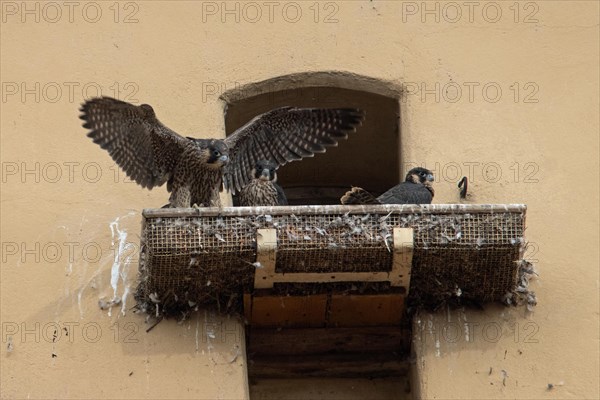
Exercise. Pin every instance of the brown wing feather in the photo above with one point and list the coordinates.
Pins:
(143, 147)
(358, 195)
(283, 135)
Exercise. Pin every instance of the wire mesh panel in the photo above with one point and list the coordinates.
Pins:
(208, 256)
(332, 243)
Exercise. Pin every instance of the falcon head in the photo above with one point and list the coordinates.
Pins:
(215, 153)
(420, 175)
(265, 171)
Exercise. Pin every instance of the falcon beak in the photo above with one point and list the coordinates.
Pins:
(265, 175)
(430, 177)
(224, 159)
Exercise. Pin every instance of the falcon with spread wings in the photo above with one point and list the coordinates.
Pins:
(195, 169)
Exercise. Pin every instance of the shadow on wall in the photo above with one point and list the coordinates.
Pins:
(368, 158)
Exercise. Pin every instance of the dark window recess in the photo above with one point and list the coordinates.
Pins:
(369, 158)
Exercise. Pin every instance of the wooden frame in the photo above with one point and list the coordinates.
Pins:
(265, 275)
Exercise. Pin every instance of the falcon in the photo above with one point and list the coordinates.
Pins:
(195, 170)
(263, 190)
(416, 189)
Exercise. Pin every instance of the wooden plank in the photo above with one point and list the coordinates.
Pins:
(248, 306)
(335, 209)
(366, 310)
(326, 277)
(363, 365)
(271, 341)
(289, 311)
(266, 252)
(402, 261)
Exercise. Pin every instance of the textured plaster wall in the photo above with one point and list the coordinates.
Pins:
(58, 248)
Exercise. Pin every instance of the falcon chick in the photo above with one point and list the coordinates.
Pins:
(416, 189)
(195, 169)
(263, 189)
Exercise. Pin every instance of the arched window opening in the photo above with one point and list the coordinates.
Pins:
(369, 158)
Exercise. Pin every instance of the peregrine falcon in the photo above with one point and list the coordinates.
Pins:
(263, 189)
(416, 189)
(195, 169)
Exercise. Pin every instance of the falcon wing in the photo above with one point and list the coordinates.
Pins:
(358, 195)
(143, 147)
(281, 198)
(283, 135)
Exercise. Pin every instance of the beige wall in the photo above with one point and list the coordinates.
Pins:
(173, 56)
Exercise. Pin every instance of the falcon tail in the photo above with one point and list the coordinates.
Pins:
(358, 196)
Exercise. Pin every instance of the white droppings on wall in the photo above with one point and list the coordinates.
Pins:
(121, 262)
